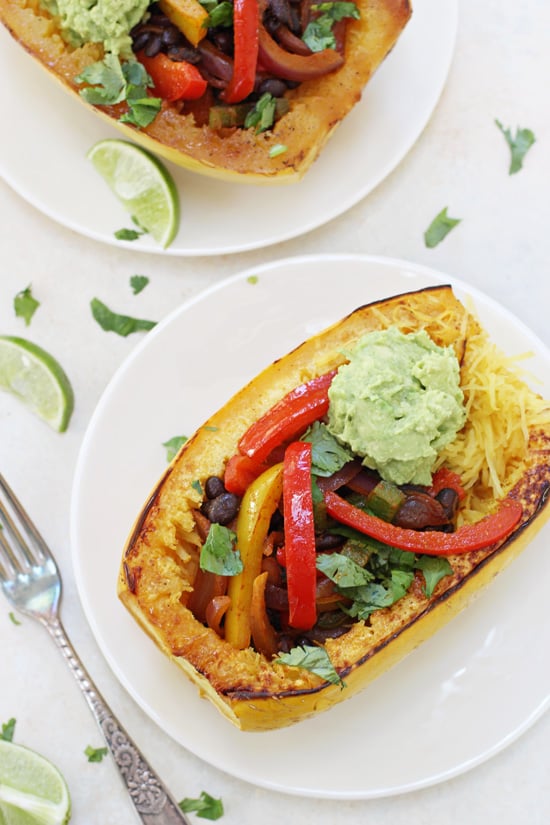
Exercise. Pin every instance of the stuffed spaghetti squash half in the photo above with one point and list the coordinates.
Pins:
(244, 90)
(283, 563)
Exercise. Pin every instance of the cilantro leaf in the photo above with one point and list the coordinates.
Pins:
(439, 228)
(173, 446)
(25, 305)
(138, 283)
(219, 14)
(205, 806)
(95, 754)
(342, 570)
(318, 34)
(312, 658)
(434, 569)
(128, 234)
(121, 324)
(519, 145)
(8, 729)
(107, 84)
(262, 115)
(111, 82)
(327, 454)
(218, 554)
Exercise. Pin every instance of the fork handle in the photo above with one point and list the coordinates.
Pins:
(152, 800)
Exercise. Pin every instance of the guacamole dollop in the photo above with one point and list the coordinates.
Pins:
(397, 403)
(103, 21)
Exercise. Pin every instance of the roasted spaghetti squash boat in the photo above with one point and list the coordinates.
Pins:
(236, 92)
(281, 572)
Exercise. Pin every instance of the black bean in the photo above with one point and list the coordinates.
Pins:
(273, 86)
(328, 541)
(222, 509)
(153, 46)
(213, 486)
(183, 53)
(140, 40)
(420, 510)
(448, 498)
(170, 36)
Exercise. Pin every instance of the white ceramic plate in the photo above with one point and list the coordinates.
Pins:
(458, 699)
(46, 137)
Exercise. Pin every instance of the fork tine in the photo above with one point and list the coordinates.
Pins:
(39, 551)
(9, 565)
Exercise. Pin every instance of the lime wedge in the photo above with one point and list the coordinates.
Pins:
(32, 791)
(142, 184)
(37, 379)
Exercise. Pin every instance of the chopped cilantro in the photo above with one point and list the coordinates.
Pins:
(196, 485)
(519, 144)
(121, 324)
(25, 305)
(95, 754)
(128, 234)
(14, 619)
(252, 279)
(434, 569)
(219, 14)
(173, 446)
(110, 82)
(7, 730)
(439, 228)
(262, 115)
(312, 658)
(205, 806)
(327, 454)
(277, 149)
(218, 554)
(318, 34)
(138, 283)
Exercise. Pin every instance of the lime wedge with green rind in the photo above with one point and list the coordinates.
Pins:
(34, 376)
(142, 184)
(32, 790)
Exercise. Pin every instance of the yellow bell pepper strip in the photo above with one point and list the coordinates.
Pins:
(288, 418)
(301, 573)
(246, 18)
(189, 16)
(489, 530)
(258, 505)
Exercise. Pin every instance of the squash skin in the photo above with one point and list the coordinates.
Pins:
(236, 155)
(160, 558)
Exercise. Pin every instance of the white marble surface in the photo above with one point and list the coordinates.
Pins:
(502, 246)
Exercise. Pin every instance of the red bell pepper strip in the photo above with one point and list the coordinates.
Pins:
(240, 472)
(288, 418)
(299, 536)
(173, 80)
(246, 18)
(295, 66)
(484, 533)
(443, 478)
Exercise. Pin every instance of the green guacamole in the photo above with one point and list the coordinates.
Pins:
(397, 403)
(104, 21)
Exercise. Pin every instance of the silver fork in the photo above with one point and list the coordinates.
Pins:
(31, 582)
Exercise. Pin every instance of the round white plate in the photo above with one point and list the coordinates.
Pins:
(47, 135)
(458, 699)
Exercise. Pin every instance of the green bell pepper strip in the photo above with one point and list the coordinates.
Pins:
(489, 530)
